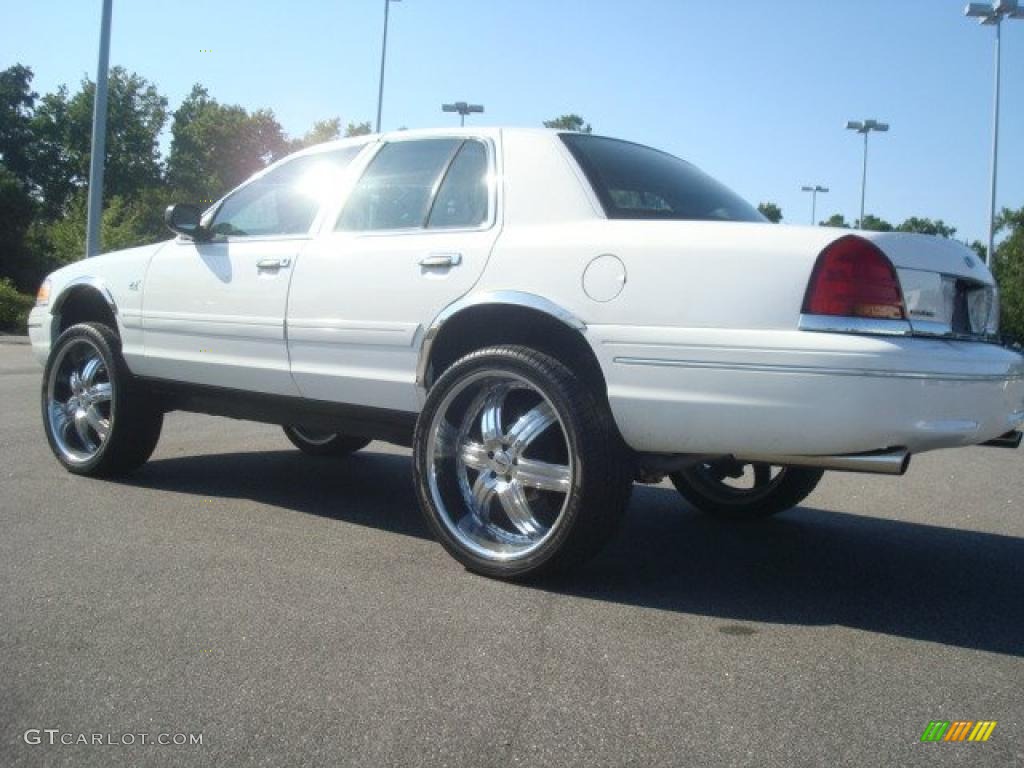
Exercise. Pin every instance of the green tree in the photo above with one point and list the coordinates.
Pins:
(360, 129)
(770, 211)
(17, 205)
(835, 220)
(874, 224)
(214, 147)
(570, 122)
(62, 131)
(17, 210)
(922, 226)
(17, 101)
(322, 131)
(1009, 271)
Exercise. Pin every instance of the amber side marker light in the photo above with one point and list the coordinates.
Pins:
(853, 278)
(43, 294)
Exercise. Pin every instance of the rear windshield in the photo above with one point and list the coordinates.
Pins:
(636, 182)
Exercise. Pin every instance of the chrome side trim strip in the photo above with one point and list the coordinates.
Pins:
(836, 324)
(513, 298)
(819, 371)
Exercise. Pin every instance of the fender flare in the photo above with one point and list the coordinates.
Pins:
(494, 298)
(86, 281)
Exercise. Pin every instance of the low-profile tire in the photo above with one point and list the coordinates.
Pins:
(768, 491)
(322, 443)
(98, 420)
(518, 466)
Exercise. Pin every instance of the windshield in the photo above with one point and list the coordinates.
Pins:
(636, 182)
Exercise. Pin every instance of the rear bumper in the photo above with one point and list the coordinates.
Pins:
(780, 392)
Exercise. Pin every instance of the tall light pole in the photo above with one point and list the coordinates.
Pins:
(814, 199)
(993, 15)
(383, 58)
(98, 159)
(463, 109)
(865, 127)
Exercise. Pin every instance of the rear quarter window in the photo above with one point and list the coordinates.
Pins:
(636, 182)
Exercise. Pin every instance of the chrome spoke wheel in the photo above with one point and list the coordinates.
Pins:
(499, 465)
(79, 401)
(729, 481)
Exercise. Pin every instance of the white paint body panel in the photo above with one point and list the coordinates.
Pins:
(700, 348)
(213, 316)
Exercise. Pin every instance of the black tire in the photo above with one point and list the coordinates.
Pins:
(566, 473)
(130, 419)
(323, 444)
(704, 486)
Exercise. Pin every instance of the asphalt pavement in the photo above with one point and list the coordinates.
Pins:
(295, 611)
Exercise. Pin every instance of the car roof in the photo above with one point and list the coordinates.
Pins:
(418, 133)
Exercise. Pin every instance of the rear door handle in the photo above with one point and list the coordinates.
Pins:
(272, 264)
(441, 260)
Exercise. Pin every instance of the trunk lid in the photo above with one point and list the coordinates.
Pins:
(947, 288)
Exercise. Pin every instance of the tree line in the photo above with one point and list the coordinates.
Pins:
(45, 144)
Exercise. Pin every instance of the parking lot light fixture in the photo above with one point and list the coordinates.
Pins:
(865, 127)
(814, 190)
(992, 15)
(383, 57)
(463, 109)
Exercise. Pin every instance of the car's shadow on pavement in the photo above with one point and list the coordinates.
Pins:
(807, 566)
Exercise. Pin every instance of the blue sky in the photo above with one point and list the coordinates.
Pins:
(755, 92)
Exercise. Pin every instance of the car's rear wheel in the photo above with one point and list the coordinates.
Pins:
(316, 442)
(98, 421)
(518, 466)
(742, 491)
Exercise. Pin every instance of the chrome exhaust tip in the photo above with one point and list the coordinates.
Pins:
(889, 462)
(1010, 440)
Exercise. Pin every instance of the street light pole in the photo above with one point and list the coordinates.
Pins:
(97, 161)
(814, 199)
(463, 109)
(993, 15)
(865, 127)
(383, 58)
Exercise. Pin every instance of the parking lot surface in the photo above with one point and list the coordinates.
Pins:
(294, 611)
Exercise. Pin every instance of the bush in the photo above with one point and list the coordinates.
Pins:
(14, 307)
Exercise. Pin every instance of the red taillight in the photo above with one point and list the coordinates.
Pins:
(853, 278)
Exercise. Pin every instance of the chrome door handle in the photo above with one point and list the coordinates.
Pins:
(441, 260)
(272, 264)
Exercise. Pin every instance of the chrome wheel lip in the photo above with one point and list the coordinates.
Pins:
(306, 437)
(500, 545)
(77, 426)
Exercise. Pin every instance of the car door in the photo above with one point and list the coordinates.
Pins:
(213, 312)
(414, 235)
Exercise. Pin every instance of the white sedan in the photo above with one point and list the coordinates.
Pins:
(546, 318)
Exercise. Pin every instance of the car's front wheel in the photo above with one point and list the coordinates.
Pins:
(97, 419)
(318, 442)
(741, 491)
(518, 466)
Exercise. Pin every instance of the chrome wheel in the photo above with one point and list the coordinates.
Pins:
(729, 481)
(500, 469)
(742, 491)
(313, 437)
(79, 404)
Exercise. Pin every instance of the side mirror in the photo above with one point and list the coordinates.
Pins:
(184, 219)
